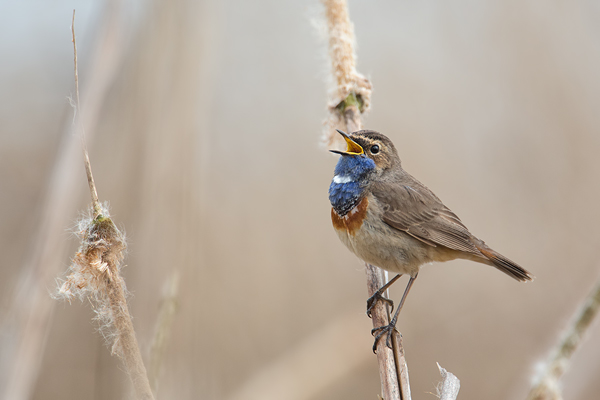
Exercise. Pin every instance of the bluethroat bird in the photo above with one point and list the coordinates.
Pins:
(391, 220)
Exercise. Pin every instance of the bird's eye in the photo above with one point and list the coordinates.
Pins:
(374, 149)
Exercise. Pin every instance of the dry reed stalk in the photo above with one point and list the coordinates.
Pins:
(351, 98)
(29, 314)
(95, 272)
(164, 323)
(546, 386)
(394, 385)
(352, 93)
(95, 275)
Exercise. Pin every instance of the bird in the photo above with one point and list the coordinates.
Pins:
(389, 219)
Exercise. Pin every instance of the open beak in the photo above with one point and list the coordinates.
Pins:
(354, 149)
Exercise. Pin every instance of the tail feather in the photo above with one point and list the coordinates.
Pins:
(505, 265)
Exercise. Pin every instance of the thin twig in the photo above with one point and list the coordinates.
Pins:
(401, 367)
(350, 98)
(546, 385)
(77, 119)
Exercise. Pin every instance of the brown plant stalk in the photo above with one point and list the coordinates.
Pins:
(95, 273)
(546, 386)
(26, 322)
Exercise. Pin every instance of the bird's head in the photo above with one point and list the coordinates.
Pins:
(368, 150)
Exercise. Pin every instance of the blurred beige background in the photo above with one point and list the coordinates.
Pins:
(204, 120)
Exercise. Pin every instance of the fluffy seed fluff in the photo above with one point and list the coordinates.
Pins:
(95, 271)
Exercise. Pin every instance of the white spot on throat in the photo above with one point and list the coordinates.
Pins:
(342, 179)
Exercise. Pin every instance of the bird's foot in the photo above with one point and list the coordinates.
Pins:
(387, 330)
(371, 301)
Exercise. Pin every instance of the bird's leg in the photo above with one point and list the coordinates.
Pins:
(389, 329)
(378, 295)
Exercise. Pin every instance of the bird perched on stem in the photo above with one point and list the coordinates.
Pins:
(391, 220)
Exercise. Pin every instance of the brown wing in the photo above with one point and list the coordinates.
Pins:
(411, 207)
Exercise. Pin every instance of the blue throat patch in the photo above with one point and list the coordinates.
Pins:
(349, 181)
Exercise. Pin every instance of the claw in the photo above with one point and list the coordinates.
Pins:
(371, 301)
(389, 329)
(386, 329)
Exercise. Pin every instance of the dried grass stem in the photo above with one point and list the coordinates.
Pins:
(546, 386)
(95, 272)
(351, 95)
(77, 120)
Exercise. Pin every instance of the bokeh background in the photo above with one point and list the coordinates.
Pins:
(204, 122)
